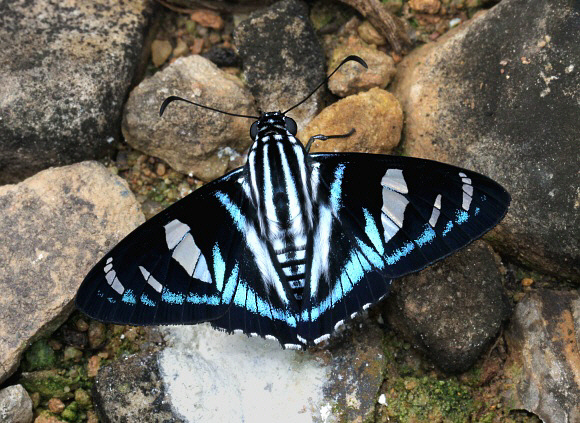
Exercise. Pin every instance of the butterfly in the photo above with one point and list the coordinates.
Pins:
(291, 245)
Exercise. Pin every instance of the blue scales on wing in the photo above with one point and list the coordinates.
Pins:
(382, 217)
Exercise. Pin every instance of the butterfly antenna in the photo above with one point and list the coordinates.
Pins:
(173, 98)
(347, 59)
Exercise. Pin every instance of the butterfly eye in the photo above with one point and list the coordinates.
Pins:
(290, 125)
(254, 130)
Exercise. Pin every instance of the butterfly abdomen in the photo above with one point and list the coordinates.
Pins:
(280, 193)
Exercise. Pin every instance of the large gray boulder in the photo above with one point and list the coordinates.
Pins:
(502, 96)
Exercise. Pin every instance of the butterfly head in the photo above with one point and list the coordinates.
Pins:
(274, 123)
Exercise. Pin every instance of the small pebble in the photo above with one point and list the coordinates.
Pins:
(160, 169)
(93, 366)
(454, 22)
(82, 325)
(180, 49)
(208, 19)
(160, 52)
(527, 281)
(55, 405)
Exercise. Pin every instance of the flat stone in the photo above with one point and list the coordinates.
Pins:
(208, 375)
(54, 227)
(66, 68)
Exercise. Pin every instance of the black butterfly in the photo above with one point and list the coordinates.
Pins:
(292, 244)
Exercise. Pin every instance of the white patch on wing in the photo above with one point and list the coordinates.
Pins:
(117, 286)
(201, 270)
(395, 181)
(292, 347)
(467, 191)
(322, 338)
(151, 280)
(394, 205)
(186, 253)
(174, 232)
(436, 211)
(390, 229)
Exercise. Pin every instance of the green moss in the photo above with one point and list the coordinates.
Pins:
(70, 413)
(40, 356)
(49, 383)
(430, 399)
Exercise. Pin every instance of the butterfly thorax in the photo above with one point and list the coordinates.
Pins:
(280, 194)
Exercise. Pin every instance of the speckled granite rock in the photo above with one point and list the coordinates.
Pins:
(65, 69)
(54, 227)
(502, 96)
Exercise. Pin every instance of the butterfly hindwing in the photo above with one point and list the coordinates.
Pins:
(381, 217)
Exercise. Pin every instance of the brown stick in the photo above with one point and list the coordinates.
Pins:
(384, 21)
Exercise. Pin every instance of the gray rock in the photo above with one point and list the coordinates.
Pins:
(189, 138)
(452, 310)
(132, 390)
(15, 405)
(282, 58)
(208, 375)
(544, 362)
(65, 69)
(502, 96)
(54, 227)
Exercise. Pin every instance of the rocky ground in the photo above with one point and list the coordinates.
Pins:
(491, 334)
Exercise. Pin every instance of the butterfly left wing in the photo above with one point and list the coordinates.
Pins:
(381, 217)
(196, 261)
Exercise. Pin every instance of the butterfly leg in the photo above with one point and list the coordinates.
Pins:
(326, 137)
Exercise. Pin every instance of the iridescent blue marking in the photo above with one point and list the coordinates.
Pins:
(371, 255)
(230, 287)
(146, 300)
(373, 232)
(352, 273)
(233, 210)
(129, 297)
(336, 188)
(241, 296)
(447, 228)
(172, 297)
(202, 299)
(100, 293)
(400, 253)
(476, 211)
(428, 235)
(219, 267)
(461, 217)
(112, 300)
